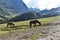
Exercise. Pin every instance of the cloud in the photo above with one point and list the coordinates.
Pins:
(42, 4)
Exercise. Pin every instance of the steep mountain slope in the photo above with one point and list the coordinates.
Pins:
(15, 5)
(26, 16)
(11, 8)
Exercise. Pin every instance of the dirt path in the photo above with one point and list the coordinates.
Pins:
(54, 33)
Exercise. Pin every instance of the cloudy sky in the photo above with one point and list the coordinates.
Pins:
(42, 4)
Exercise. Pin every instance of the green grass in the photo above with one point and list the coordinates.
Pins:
(23, 25)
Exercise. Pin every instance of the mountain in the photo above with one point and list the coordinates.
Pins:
(16, 10)
(50, 13)
(45, 11)
(34, 9)
(15, 5)
(56, 10)
(26, 16)
(34, 15)
(11, 8)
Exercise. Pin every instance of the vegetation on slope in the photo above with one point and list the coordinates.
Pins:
(26, 16)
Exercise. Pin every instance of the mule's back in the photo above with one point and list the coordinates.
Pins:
(10, 23)
(34, 21)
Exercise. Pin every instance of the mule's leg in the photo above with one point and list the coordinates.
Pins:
(30, 25)
(7, 25)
